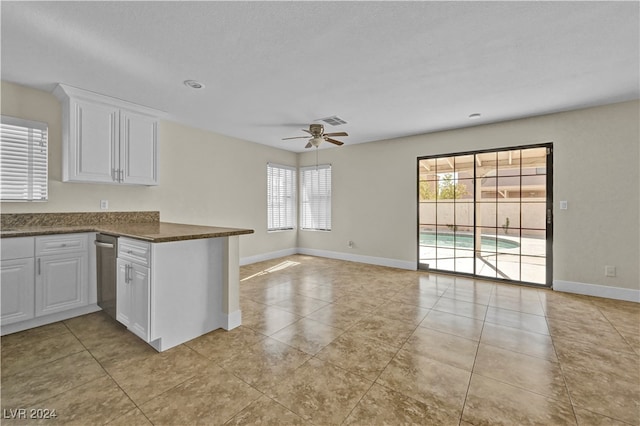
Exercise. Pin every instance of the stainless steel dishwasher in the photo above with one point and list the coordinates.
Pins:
(106, 254)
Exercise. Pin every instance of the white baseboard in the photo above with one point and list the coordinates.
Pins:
(232, 320)
(267, 256)
(48, 319)
(618, 293)
(380, 261)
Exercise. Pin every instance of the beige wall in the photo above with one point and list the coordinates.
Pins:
(595, 170)
(210, 179)
(205, 178)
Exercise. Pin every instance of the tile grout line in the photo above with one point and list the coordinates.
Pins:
(109, 375)
(375, 381)
(560, 364)
(475, 358)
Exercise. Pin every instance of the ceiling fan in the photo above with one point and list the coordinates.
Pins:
(318, 135)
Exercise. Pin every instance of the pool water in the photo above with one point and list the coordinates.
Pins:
(465, 241)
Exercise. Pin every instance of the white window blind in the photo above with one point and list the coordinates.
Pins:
(281, 197)
(315, 199)
(23, 160)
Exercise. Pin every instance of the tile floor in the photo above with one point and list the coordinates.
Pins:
(331, 342)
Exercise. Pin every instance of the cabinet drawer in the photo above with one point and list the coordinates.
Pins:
(57, 244)
(16, 248)
(134, 251)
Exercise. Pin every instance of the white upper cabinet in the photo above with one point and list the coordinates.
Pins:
(93, 143)
(138, 148)
(106, 140)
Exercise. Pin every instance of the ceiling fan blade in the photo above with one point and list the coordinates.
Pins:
(337, 134)
(296, 137)
(308, 145)
(333, 141)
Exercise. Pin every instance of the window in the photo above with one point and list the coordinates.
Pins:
(23, 160)
(281, 197)
(315, 202)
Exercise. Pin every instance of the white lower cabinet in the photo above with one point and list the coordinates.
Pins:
(133, 298)
(16, 277)
(170, 292)
(62, 273)
(44, 279)
(61, 282)
(16, 280)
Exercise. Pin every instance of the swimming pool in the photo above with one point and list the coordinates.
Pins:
(464, 241)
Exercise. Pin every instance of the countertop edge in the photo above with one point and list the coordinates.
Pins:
(109, 229)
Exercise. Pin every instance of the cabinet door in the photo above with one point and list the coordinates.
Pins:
(16, 278)
(93, 143)
(132, 294)
(61, 282)
(140, 303)
(123, 296)
(138, 148)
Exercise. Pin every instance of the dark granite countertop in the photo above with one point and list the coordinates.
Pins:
(155, 232)
(160, 232)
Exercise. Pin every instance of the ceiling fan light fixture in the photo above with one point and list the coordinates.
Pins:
(193, 84)
(316, 131)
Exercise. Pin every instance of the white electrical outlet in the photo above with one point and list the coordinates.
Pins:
(609, 271)
(564, 205)
(350, 244)
(104, 204)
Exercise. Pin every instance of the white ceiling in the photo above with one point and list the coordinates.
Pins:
(389, 69)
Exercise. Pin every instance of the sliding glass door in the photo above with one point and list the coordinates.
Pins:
(487, 214)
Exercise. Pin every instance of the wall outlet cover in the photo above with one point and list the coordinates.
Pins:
(610, 271)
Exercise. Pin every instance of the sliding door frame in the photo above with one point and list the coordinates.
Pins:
(549, 214)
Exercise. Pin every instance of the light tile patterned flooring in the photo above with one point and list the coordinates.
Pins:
(332, 342)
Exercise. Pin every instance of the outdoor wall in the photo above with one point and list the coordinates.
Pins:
(531, 215)
(205, 178)
(595, 170)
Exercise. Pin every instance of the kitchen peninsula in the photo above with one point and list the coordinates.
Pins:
(175, 281)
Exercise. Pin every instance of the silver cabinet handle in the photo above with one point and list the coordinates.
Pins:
(117, 175)
(39, 269)
(104, 245)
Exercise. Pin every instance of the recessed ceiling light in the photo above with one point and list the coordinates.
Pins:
(474, 116)
(194, 84)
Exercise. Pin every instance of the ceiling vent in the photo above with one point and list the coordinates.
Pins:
(333, 121)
